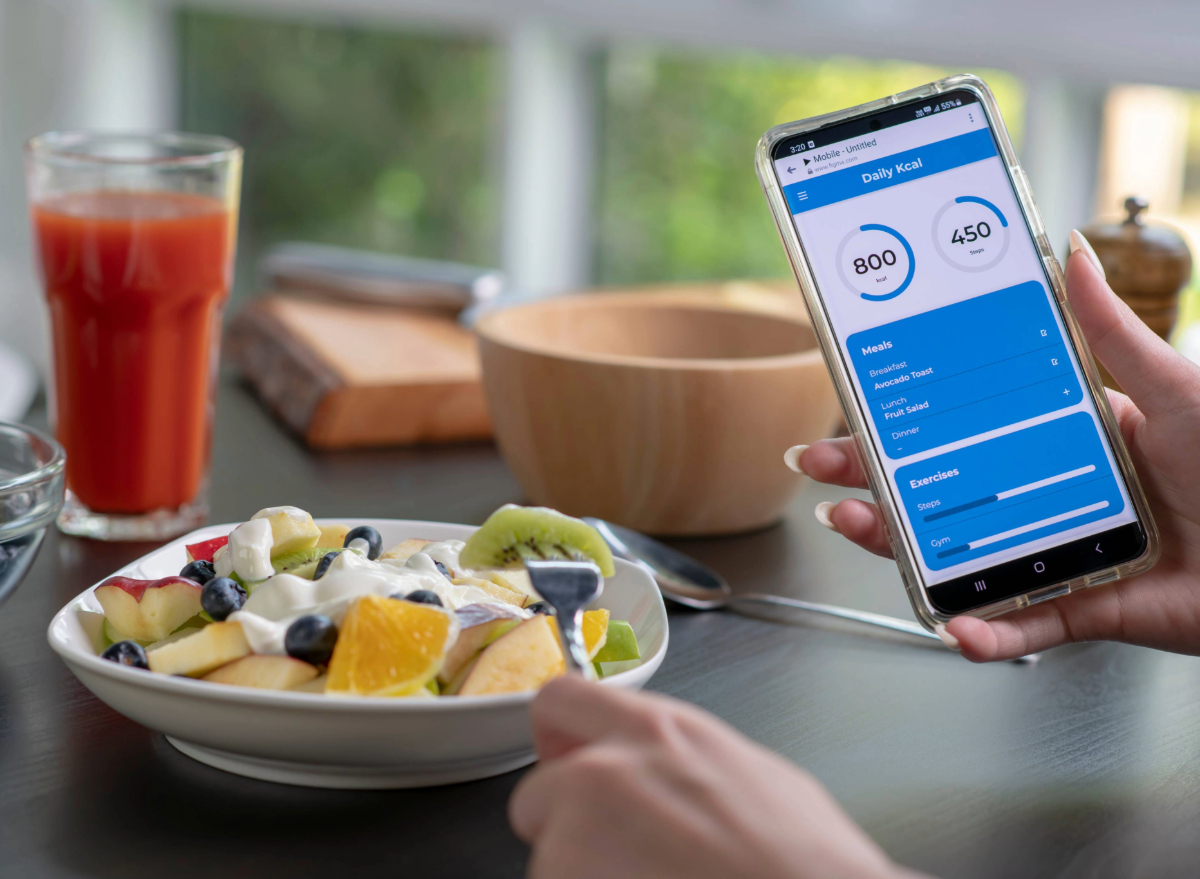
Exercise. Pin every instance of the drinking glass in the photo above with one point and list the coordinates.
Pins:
(31, 494)
(135, 235)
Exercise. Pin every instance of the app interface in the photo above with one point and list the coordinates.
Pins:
(959, 356)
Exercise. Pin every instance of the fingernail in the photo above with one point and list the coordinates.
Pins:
(1078, 242)
(822, 512)
(792, 458)
(947, 639)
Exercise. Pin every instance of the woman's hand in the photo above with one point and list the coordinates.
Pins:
(1160, 421)
(632, 784)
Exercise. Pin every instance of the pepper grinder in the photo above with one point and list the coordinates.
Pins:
(1146, 265)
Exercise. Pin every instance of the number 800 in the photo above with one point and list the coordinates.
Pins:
(874, 262)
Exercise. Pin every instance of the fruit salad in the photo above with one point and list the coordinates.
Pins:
(283, 603)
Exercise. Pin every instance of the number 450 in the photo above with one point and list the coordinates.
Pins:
(967, 234)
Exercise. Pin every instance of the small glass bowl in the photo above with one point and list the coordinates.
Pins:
(31, 494)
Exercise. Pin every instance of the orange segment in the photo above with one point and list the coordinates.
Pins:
(388, 647)
(595, 630)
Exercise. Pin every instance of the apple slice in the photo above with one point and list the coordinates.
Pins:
(333, 535)
(93, 624)
(198, 654)
(316, 685)
(113, 636)
(406, 549)
(178, 635)
(452, 688)
(620, 651)
(148, 610)
(524, 659)
(479, 625)
(291, 529)
(516, 580)
(608, 669)
(495, 590)
(264, 672)
(203, 552)
(621, 644)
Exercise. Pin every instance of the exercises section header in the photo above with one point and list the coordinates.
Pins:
(1009, 491)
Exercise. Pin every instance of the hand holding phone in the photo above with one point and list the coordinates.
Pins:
(978, 416)
(1160, 420)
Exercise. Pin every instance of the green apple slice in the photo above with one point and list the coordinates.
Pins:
(621, 645)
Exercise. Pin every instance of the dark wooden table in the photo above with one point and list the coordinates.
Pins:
(1087, 764)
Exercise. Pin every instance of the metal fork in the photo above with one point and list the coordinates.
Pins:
(569, 587)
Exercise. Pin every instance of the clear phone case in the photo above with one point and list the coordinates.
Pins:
(856, 418)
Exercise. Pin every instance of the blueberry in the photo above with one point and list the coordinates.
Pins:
(128, 653)
(541, 607)
(368, 535)
(424, 596)
(323, 565)
(221, 597)
(311, 639)
(198, 571)
(442, 568)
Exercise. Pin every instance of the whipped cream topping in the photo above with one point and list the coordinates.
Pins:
(278, 602)
(250, 550)
(293, 513)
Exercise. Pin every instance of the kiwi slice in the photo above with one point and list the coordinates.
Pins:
(513, 534)
(248, 585)
(302, 562)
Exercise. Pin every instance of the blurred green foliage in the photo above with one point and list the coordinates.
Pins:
(371, 138)
(678, 197)
(386, 140)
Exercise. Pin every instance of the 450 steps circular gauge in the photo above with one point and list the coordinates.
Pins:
(970, 233)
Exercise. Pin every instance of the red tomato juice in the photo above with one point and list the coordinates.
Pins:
(135, 284)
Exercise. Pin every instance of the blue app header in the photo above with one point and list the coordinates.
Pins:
(897, 168)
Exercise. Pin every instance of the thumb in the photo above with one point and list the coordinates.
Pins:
(1150, 371)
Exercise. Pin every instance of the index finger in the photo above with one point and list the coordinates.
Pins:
(832, 461)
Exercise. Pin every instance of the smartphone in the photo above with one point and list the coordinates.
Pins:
(941, 310)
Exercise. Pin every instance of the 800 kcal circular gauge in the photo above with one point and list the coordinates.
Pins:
(876, 262)
(970, 233)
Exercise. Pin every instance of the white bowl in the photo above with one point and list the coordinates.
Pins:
(320, 741)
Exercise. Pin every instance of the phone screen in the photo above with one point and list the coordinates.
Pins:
(947, 323)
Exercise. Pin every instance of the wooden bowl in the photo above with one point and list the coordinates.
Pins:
(659, 414)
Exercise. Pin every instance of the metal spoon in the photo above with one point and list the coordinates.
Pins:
(569, 587)
(686, 581)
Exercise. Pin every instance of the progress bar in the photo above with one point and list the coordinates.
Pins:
(1032, 526)
(1012, 492)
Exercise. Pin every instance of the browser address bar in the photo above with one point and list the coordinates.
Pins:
(877, 144)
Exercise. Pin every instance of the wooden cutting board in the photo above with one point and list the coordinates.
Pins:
(345, 375)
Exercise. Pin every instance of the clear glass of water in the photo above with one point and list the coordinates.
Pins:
(31, 494)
